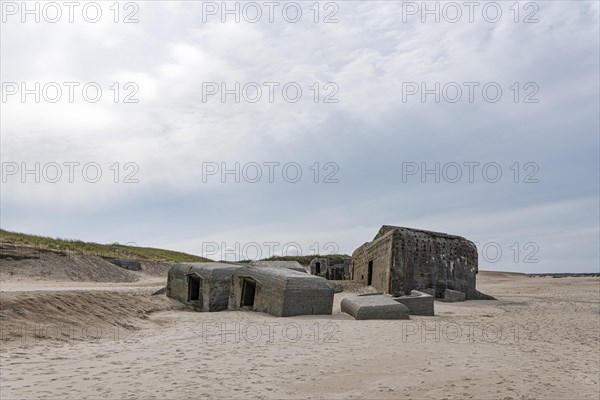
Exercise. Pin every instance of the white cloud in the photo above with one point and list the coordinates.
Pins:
(369, 133)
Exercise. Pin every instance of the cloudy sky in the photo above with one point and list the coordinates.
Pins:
(304, 127)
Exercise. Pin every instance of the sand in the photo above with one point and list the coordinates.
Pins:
(86, 340)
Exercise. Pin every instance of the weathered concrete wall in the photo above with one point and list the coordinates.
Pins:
(220, 286)
(282, 292)
(434, 260)
(269, 290)
(321, 266)
(335, 272)
(318, 265)
(375, 306)
(379, 251)
(453, 295)
(418, 260)
(339, 272)
(177, 282)
(215, 281)
(304, 296)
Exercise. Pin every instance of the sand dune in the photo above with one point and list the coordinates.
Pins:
(30, 265)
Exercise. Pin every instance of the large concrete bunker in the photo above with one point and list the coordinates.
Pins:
(201, 286)
(400, 260)
(281, 292)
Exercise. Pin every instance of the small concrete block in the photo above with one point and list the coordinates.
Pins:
(126, 263)
(374, 307)
(160, 291)
(454, 295)
(428, 291)
(418, 303)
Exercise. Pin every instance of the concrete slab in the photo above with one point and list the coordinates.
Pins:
(418, 303)
(380, 306)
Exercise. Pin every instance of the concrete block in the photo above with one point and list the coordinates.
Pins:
(418, 303)
(374, 307)
(454, 295)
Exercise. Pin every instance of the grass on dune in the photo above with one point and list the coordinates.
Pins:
(114, 250)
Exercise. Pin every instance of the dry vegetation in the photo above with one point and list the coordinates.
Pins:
(114, 250)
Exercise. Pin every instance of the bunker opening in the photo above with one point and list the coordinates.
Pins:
(248, 292)
(194, 288)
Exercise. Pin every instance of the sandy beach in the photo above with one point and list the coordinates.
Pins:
(114, 340)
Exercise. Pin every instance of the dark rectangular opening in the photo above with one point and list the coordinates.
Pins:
(194, 288)
(370, 273)
(248, 293)
(317, 268)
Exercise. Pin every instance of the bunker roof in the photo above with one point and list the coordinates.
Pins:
(295, 265)
(387, 228)
(207, 267)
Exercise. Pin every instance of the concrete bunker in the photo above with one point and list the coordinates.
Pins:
(201, 286)
(400, 260)
(318, 266)
(336, 270)
(281, 292)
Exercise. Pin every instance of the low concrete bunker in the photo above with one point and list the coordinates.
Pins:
(201, 286)
(281, 292)
(126, 263)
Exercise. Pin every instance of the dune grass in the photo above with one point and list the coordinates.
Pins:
(114, 250)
